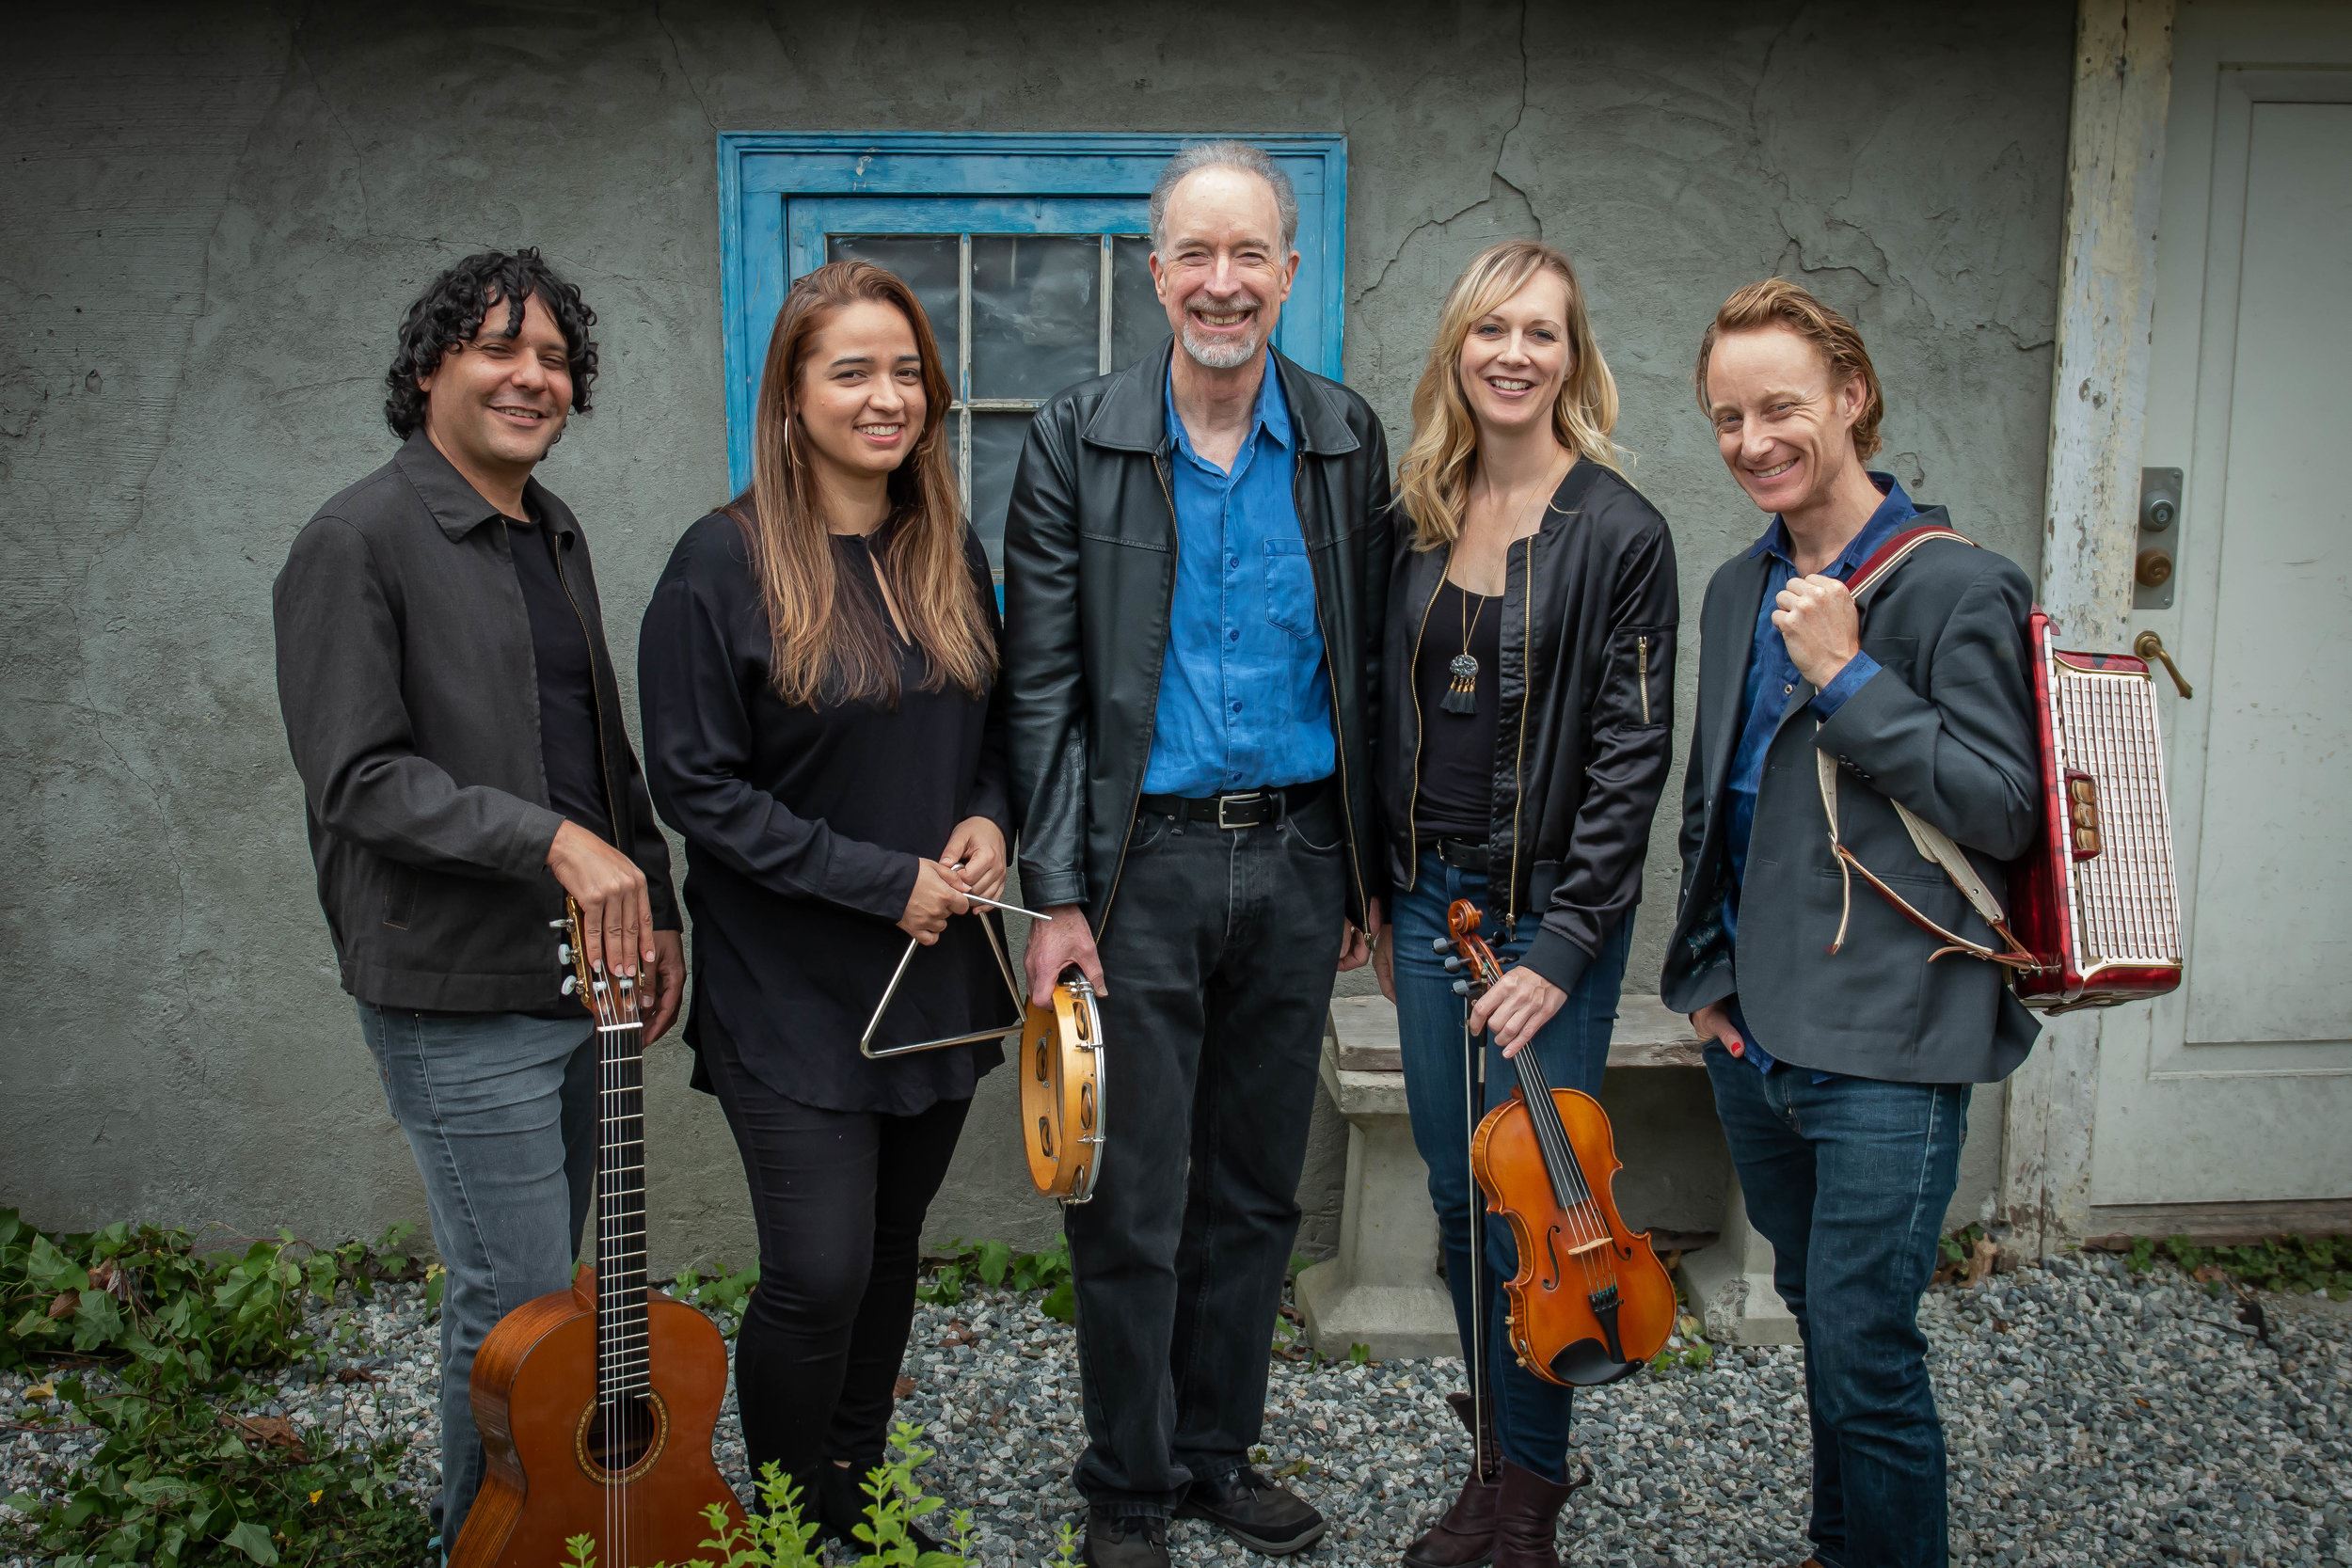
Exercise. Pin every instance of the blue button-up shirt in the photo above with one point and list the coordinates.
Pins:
(1772, 679)
(1244, 699)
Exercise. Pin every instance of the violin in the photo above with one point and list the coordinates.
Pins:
(1590, 1303)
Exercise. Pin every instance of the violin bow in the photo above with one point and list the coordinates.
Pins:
(1473, 1104)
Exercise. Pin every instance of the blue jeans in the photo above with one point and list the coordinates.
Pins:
(1531, 1415)
(499, 1109)
(1848, 1180)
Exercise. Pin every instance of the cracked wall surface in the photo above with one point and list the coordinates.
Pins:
(212, 216)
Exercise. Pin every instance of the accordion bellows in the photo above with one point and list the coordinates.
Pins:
(2095, 900)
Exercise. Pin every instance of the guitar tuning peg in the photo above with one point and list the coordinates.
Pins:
(558, 925)
(564, 952)
(571, 984)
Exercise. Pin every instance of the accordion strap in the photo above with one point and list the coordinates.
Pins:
(1932, 841)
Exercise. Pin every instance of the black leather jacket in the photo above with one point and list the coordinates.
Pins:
(1585, 731)
(1090, 576)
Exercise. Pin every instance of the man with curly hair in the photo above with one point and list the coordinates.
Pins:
(452, 712)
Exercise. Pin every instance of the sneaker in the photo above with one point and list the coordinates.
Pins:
(1253, 1510)
(1125, 1540)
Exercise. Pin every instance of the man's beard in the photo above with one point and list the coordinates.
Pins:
(1223, 354)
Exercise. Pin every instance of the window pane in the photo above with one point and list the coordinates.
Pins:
(996, 453)
(928, 263)
(1034, 321)
(1139, 324)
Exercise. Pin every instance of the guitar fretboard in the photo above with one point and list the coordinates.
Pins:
(622, 1351)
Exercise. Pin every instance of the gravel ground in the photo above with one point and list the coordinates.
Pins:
(2093, 1419)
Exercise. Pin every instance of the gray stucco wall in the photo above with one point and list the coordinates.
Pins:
(212, 216)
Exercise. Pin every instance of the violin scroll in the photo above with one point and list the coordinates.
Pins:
(1469, 956)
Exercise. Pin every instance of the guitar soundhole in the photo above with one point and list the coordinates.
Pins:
(617, 1442)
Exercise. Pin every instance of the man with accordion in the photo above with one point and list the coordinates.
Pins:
(1840, 1055)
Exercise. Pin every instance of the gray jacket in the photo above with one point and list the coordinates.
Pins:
(1947, 727)
(411, 700)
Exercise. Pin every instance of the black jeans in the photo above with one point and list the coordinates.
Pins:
(838, 1197)
(1218, 954)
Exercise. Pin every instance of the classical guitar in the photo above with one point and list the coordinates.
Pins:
(596, 1403)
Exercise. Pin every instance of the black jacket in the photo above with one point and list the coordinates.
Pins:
(1945, 726)
(1089, 576)
(411, 699)
(1585, 734)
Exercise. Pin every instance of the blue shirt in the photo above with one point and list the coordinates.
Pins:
(1244, 699)
(1772, 679)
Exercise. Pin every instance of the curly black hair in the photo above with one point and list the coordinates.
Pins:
(449, 313)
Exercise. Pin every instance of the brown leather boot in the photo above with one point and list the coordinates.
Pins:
(1527, 1522)
(1463, 1535)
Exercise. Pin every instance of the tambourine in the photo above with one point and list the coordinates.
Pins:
(1061, 1092)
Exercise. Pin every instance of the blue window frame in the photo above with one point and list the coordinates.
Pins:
(1028, 251)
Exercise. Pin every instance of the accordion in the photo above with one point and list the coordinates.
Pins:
(2097, 913)
(2094, 900)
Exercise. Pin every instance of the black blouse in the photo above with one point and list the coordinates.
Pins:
(1457, 750)
(802, 828)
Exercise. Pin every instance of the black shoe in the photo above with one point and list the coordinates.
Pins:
(1125, 1540)
(1253, 1510)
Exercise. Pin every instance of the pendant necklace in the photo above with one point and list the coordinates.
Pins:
(1461, 694)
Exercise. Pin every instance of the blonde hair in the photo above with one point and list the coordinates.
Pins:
(824, 645)
(1777, 302)
(1433, 476)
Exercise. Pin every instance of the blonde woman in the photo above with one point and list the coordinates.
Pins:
(1527, 697)
(816, 669)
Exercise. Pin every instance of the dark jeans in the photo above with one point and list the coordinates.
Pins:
(1848, 1180)
(1219, 955)
(838, 1197)
(499, 1109)
(1531, 1415)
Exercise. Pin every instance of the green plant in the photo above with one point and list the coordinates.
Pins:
(2300, 1263)
(179, 1477)
(1687, 1346)
(1359, 1355)
(995, 1265)
(780, 1537)
(723, 1294)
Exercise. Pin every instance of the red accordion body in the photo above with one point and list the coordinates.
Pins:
(2095, 900)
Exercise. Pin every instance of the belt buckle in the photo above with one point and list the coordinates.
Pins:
(1254, 797)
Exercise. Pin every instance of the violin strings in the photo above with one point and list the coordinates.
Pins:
(1561, 1163)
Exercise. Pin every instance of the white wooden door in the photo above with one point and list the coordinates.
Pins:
(2237, 1089)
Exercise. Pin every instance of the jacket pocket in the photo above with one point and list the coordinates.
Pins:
(1290, 587)
(400, 895)
(1642, 673)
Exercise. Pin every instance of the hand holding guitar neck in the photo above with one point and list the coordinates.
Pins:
(616, 911)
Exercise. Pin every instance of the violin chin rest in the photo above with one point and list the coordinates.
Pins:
(1587, 1364)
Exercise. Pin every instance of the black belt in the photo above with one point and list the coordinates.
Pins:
(1463, 854)
(1252, 808)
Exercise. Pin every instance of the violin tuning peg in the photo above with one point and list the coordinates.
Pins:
(1439, 944)
(1453, 966)
(1461, 988)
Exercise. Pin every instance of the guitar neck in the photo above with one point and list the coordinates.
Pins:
(622, 1349)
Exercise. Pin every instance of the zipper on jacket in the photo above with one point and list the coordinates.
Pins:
(1641, 656)
(1519, 763)
(596, 697)
(1175, 549)
(1412, 797)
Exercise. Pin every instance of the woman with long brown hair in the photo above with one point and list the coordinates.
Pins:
(1527, 699)
(816, 671)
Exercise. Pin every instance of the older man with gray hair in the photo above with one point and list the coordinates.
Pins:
(1195, 564)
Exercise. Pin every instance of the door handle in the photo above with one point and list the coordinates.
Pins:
(2149, 646)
